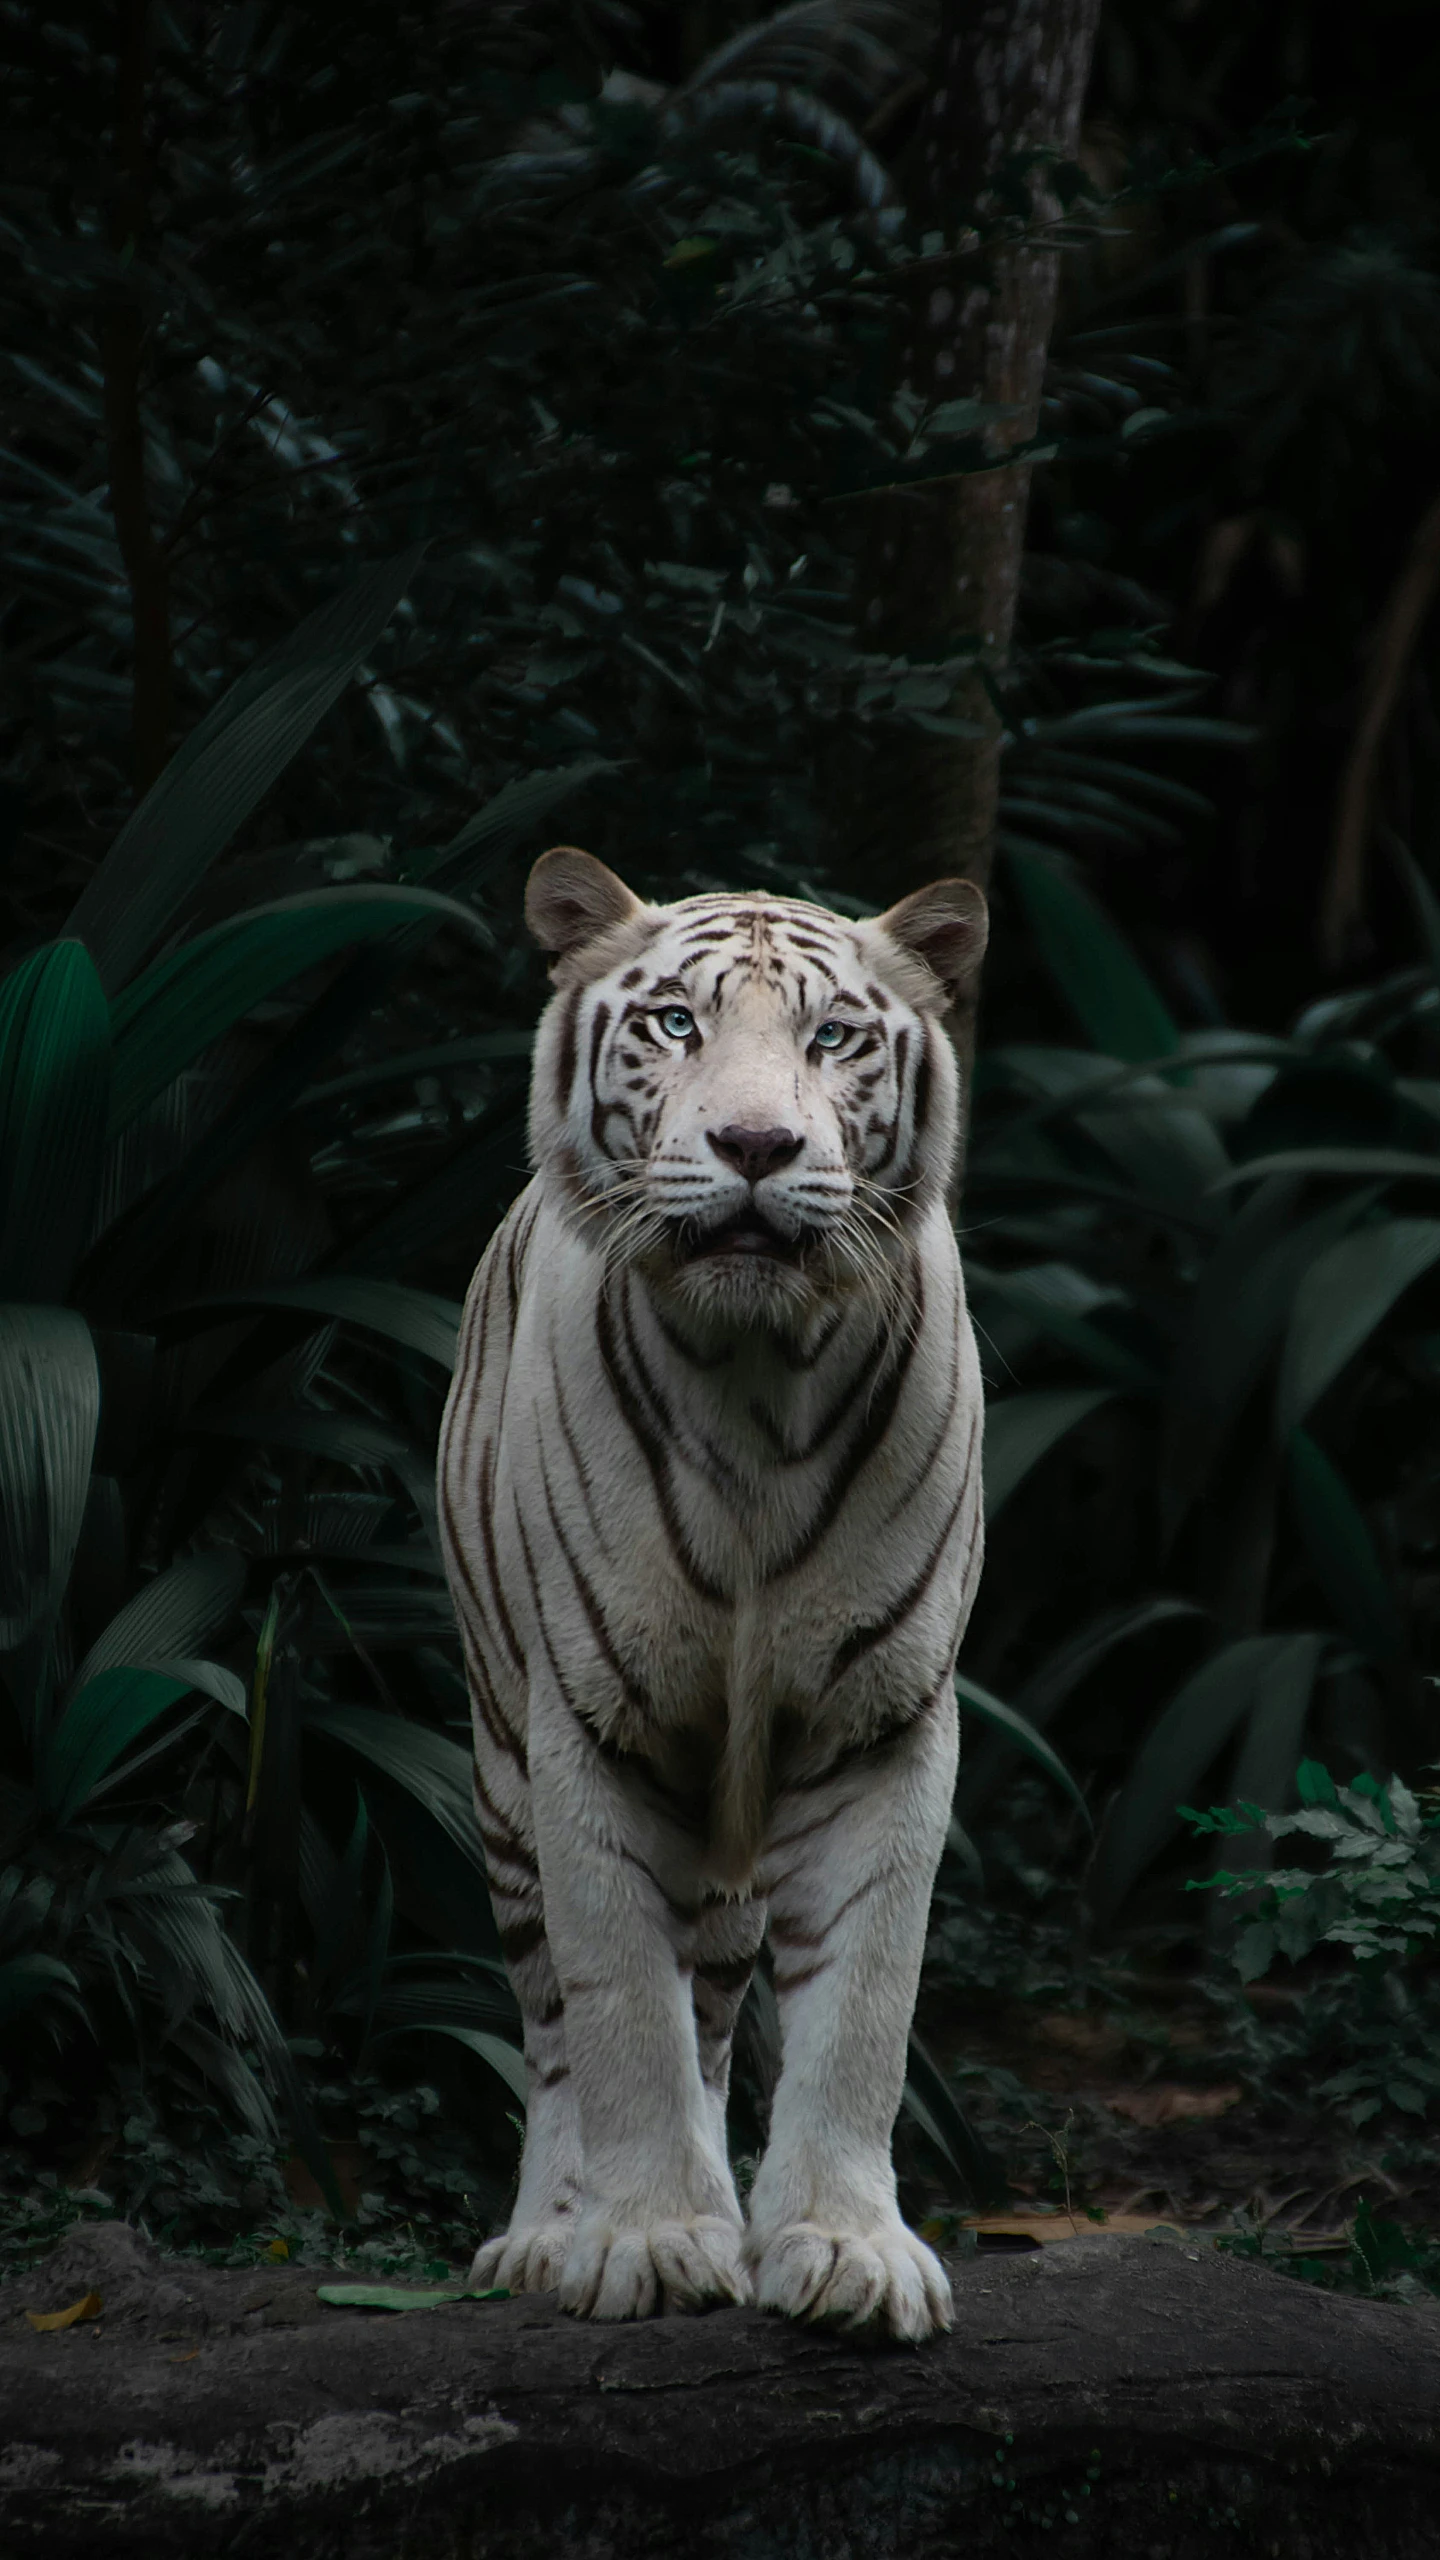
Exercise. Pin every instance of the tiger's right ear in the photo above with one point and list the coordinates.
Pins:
(571, 899)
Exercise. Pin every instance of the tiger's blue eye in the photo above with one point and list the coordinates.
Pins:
(830, 1035)
(677, 1022)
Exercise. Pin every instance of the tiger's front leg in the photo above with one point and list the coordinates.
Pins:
(849, 1868)
(659, 2225)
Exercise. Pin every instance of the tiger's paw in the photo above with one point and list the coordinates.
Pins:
(884, 2280)
(528, 2258)
(629, 2271)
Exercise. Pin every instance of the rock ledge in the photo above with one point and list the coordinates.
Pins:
(1109, 2397)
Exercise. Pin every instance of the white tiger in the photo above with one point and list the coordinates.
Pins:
(710, 1494)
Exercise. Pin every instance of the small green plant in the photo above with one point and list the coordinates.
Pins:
(1378, 1894)
(1377, 2257)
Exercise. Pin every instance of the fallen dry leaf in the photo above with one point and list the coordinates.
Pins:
(89, 2307)
(1166, 2102)
(1092, 2040)
(1048, 2228)
(351, 2168)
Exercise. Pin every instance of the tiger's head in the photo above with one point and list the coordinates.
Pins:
(747, 1096)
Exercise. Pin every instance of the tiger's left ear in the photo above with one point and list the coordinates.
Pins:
(946, 926)
(571, 899)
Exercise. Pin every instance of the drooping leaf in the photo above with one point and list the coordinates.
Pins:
(208, 1679)
(1234, 1322)
(479, 1049)
(54, 1092)
(469, 1990)
(437, 1772)
(49, 1413)
(1020, 1430)
(1342, 1551)
(182, 1002)
(415, 1317)
(461, 1196)
(1270, 1754)
(1364, 1164)
(187, 1603)
(1092, 965)
(93, 1729)
(1422, 898)
(31, 1981)
(519, 809)
(1186, 1736)
(1343, 1295)
(934, 2106)
(224, 769)
(1100, 1351)
(1019, 1730)
(505, 2060)
(352, 1439)
(1059, 1675)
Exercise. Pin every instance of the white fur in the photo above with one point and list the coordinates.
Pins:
(713, 1529)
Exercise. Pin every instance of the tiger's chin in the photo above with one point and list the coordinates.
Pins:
(745, 1276)
(743, 1289)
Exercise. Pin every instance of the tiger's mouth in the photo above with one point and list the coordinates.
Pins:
(748, 1235)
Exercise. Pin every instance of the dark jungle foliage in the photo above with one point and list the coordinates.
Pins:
(416, 450)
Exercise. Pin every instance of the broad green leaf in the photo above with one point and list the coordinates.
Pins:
(54, 1093)
(1098, 1350)
(224, 769)
(962, 1848)
(476, 1051)
(1368, 1164)
(28, 1981)
(403, 2297)
(934, 2106)
(463, 1195)
(1423, 899)
(1059, 1675)
(1092, 965)
(352, 1439)
(1234, 1323)
(208, 1679)
(49, 1413)
(1342, 1551)
(505, 2060)
(1019, 1430)
(459, 1990)
(438, 1773)
(1019, 1730)
(187, 1603)
(1342, 1297)
(177, 1006)
(98, 1724)
(1265, 1771)
(1186, 1736)
(415, 1317)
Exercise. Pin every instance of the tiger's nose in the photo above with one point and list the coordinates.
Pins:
(755, 1152)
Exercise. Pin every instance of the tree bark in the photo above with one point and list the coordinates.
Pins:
(940, 566)
(123, 334)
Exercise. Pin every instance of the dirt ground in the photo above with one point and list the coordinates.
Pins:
(1159, 2120)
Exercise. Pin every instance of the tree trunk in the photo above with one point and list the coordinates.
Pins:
(1097, 2398)
(122, 353)
(940, 566)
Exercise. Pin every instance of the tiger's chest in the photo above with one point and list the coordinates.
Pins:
(689, 1546)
